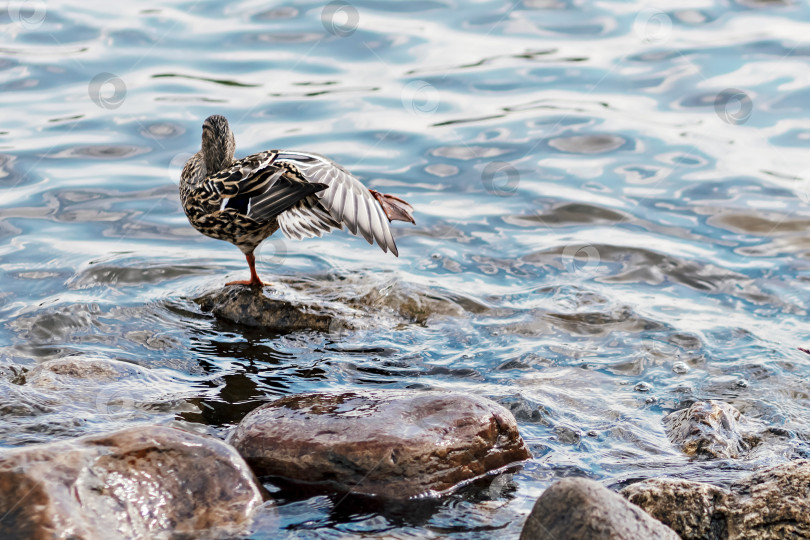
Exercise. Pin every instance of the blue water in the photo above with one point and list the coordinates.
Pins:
(612, 205)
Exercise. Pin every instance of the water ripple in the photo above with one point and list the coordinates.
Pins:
(611, 205)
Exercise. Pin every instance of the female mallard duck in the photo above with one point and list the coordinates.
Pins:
(303, 194)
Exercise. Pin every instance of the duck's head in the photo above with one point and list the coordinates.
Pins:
(218, 143)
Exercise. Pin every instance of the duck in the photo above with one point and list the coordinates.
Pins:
(244, 201)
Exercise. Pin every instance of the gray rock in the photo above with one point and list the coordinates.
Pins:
(394, 444)
(142, 482)
(695, 510)
(582, 509)
(251, 307)
(710, 429)
(61, 373)
(771, 504)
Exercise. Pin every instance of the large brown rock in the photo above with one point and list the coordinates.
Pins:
(710, 429)
(771, 504)
(582, 509)
(394, 444)
(251, 307)
(142, 482)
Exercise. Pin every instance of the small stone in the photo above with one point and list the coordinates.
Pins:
(582, 509)
(567, 434)
(680, 368)
(142, 482)
(395, 444)
(710, 429)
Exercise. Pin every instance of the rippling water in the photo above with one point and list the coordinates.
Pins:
(612, 204)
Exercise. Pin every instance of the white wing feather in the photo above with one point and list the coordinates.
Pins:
(347, 200)
(307, 219)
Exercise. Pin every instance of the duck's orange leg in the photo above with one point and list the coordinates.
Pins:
(254, 277)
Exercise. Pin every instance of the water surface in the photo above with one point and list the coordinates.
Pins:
(611, 198)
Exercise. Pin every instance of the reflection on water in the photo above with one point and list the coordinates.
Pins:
(612, 205)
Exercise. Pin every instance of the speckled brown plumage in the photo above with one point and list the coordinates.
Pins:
(303, 194)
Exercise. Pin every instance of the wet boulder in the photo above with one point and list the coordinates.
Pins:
(693, 509)
(142, 482)
(771, 504)
(250, 306)
(710, 429)
(394, 444)
(582, 509)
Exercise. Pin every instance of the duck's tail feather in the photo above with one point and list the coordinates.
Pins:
(395, 208)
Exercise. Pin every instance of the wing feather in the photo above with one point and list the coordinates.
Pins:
(260, 188)
(348, 201)
(307, 219)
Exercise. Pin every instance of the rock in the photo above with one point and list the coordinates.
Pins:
(693, 509)
(582, 509)
(710, 429)
(251, 307)
(142, 482)
(89, 388)
(771, 504)
(395, 444)
(61, 373)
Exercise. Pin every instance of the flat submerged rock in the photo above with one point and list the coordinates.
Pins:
(142, 482)
(393, 444)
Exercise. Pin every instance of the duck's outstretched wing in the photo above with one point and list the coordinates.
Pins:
(259, 188)
(307, 219)
(346, 200)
